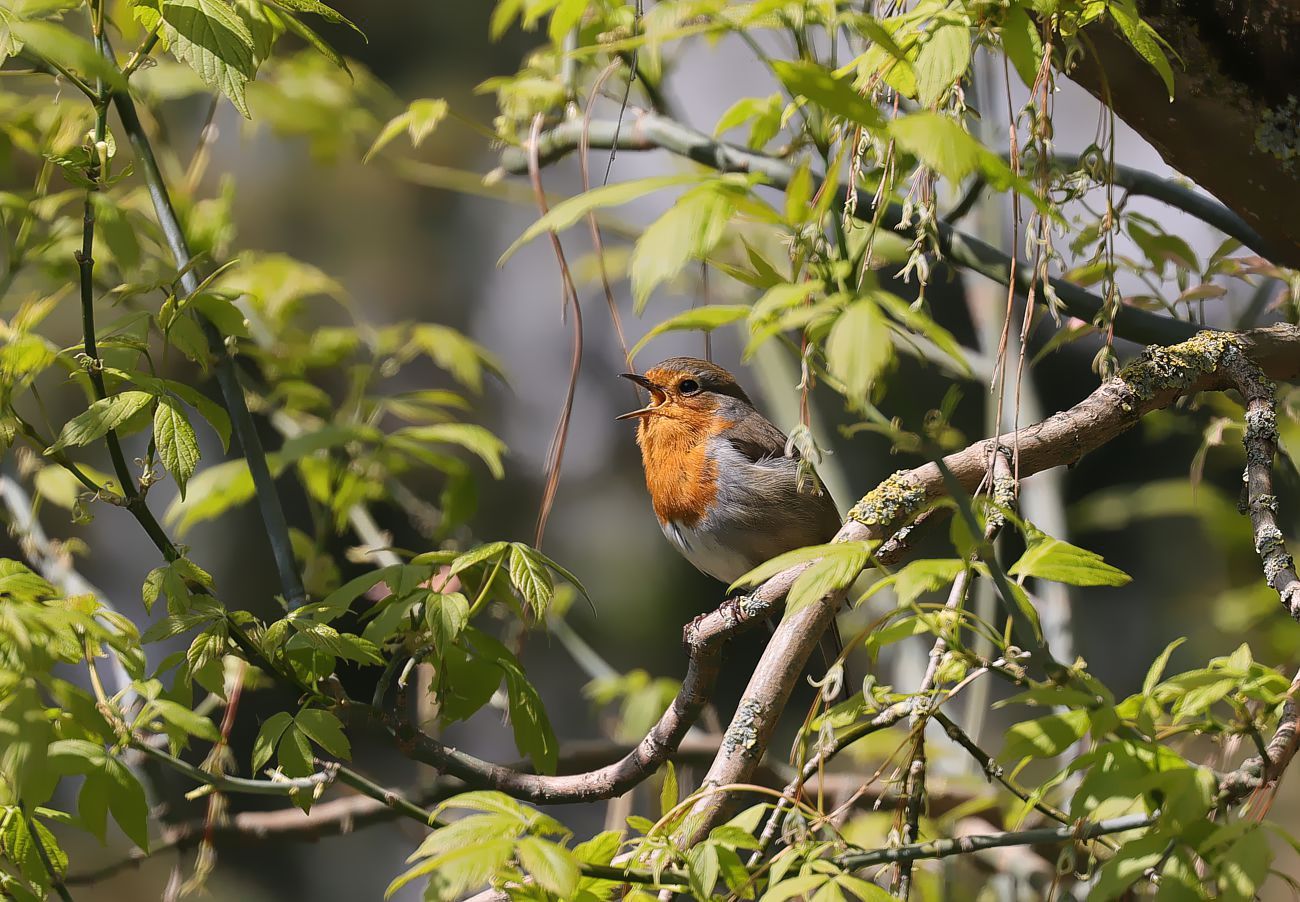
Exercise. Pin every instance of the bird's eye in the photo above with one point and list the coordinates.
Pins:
(688, 386)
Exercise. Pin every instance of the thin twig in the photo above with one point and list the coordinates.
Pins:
(569, 295)
(964, 845)
(597, 244)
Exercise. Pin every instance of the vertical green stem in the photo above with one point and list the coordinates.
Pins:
(135, 501)
(268, 500)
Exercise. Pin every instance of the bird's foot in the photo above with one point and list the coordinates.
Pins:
(731, 610)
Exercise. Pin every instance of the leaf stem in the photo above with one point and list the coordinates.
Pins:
(394, 800)
(243, 785)
(140, 55)
(53, 67)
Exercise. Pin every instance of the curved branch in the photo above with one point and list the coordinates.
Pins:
(1174, 193)
(1260, 770)
(650, 131)
(1154, 382)
(1168, 191)
(704, 639)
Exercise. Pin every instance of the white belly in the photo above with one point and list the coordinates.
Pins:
(701, 548)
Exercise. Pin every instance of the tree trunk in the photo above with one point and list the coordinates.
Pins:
(1234, 124)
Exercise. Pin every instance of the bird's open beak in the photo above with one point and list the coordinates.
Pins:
(657, 396)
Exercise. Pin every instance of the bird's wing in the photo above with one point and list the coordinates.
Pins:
(756, 438)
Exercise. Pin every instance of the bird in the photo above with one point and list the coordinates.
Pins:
(724, 483)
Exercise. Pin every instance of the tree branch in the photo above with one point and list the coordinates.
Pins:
(1235, 83)
(964, 845)
(650, 131)
(1154, 382)
(1177, 195)
(704, 638)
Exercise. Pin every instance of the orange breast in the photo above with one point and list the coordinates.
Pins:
(682, 480)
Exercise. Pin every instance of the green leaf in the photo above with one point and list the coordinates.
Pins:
(294, 750)
(531, 578)
(862, 889)
(690, 229)
(55, 42)
(211, 411)
(941, 143)
(190, 721)
(702, 869)
(668, 792)
(534, 736)
(319, 44)
(926, 575)
(553, 867)
(837, 570)
(469, 436)
(561, 571)
(490, 800)
(704, 319)
(477, 556)
(782, 562)
(340, 600)
(172, 582)
(100, 417)
(446, 616)
(782, 297)
(127, 802)
(214, 42)
(1127, 867)
(834, 93)
(795, 887)
(10, 43)
(457, 870)
(419, 120)
(567, 212)
(1244, 867)
(1157, 669)
(324, 729)
(180, 623)
(1022, 44)
(859, 348)
(464, 359)
(942, 60)
(268, 737)
(567, 15)
(325, 638)
(178, 446)
(1058, 561)
(922, 324)
(1149, 45)
(320, 9)
(1045, 737)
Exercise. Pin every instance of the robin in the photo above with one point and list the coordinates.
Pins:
(725, 487)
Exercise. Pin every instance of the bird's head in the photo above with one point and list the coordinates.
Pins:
(687, 388)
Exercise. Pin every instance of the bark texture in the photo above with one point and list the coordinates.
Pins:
(1233, 126)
